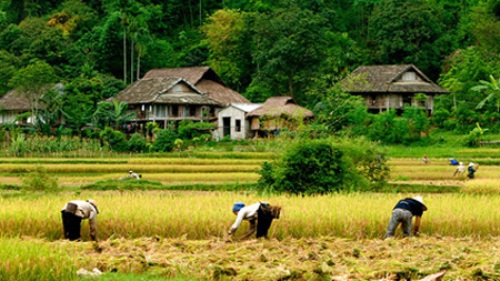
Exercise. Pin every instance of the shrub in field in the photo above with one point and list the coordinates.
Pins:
(164, 141)
(39, 180)
(125, 184)
(323, 166)
(137, 143)
(189, 130)
(115, 139)
(308, 167)
(369, 162)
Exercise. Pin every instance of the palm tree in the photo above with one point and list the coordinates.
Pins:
(112, 114)
(492, 88)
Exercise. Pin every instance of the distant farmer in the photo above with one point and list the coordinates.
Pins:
(260, 215)
(472, 169)
(460, 169)
(135, 175)
(403, 213)
(453, 162)
(72, 215)
(425, 159)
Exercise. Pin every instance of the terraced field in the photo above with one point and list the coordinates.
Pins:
(181, 235)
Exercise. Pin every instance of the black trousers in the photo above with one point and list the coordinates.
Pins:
(71, 225)
(264, 220)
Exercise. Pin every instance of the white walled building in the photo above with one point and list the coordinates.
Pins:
(232, 120)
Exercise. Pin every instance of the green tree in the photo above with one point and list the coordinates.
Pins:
(8, 65)
(287, 52)
(226, 34)
(338, 110)
(492, 89)
(113, 114)
(33, 82)
(407, 31)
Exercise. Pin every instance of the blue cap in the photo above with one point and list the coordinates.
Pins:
(237, 206)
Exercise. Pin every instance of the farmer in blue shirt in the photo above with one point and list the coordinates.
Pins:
(403, 213)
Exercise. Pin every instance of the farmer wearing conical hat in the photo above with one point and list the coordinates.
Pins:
(72, 215)
(471, 169)
(403, 213)
(260, 215)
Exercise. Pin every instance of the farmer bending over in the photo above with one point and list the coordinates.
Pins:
(72, 215)
(403, 213)
(260, 215)
(472, 169)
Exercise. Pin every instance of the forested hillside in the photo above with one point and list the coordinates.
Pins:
(261, 48)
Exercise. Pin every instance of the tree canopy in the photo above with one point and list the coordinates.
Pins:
(260, 48)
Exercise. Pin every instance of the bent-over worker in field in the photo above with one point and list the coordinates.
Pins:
(403, 213)
(72, 215)
(472, 169)
(135, 175)
(425, 159)
(460, 169)
(260, 215)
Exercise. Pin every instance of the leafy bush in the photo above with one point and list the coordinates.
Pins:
(137, 143)
(115, 139)
(189, 130)
(308, 167)
(324, 166)
(39, 180)
(164, 141)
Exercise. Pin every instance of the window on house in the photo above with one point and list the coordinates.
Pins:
(409, 76)
(175, 111)
(237, 126)
(192, 111)
(161, 111)
(185, 113)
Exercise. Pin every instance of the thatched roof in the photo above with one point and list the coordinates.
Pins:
(388, 79)
(157, 91)
(279, 107)
(204, 78)
(14, 101)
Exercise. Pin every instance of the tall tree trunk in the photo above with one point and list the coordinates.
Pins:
(124, 54)
(131, 61)
(138, 65)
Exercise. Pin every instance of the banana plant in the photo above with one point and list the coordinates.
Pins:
(492, 88)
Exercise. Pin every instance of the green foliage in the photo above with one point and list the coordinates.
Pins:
(137, 143)
(165, 141)
(370, 168)
(338, 110)
(475, 136)
(325, 166)
(417, 120)
(39, 180)
(124, 184)
(388, 128)
(189, 130)
(492, 89)
(306, 168)
(115, 139)
(33, 82)
(408, 32)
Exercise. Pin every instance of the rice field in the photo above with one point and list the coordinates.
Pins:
(181, 235)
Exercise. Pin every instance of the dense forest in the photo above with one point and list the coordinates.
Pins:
(261, 48)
